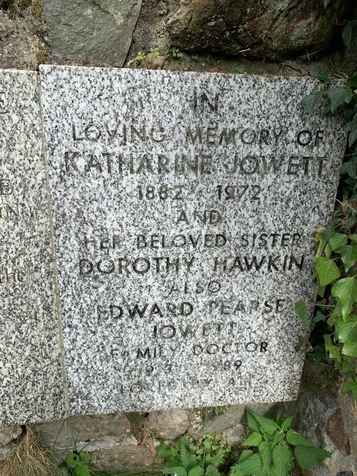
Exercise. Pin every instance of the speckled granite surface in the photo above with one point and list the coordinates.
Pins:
(184, 210)
(31, 380)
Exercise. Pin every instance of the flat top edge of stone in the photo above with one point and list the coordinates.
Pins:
(19, 72)
(45, 69)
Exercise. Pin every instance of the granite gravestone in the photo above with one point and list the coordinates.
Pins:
(31, 375)
(185, 207)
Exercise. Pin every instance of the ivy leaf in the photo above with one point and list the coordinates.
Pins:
(253, 440)
(308, 457)
(339, 95)
(310, 101)
(333, 350)
(350, 168)
(327, 270)
(352, 81)
(337, 240)
(347, 33)
(326, 3)
(301, 311)
(294, 438)
(346, 331)
(282, 460)
(324, 76)
(348, 255)
(350, 349)
(352, 137)
(346, 291)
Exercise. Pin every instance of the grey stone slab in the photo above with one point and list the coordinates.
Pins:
(185, 207)
(31, 376)
(91, 31)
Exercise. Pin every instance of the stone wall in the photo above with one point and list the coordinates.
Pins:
(298, 37)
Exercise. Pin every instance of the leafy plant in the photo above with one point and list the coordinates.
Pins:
(146, 58)
(194, 458)
(79, 463)
(336, 257)
(176, 53)
(276, 446)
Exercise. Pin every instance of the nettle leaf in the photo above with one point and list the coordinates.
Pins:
(339, 95)
(176, 470)
(294, 438)
(327, 270)
(212, 471)
(196, 471)
(310, 101)
(301, 311)
(265, 424)
(252, 422)
(266, 456)
(348, 255)
(308, 457)
(346, 291)
(337, 240)
(253, 440)
(163, 451)
(251, 465)
(282, 460)
(346, 331)
(287, 423)
(245, 454)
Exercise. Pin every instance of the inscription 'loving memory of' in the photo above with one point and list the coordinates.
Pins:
(184, 210)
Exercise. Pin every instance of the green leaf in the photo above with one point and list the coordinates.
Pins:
(251, 465)
(352, 137)
(308, 457)
(253, 440)
(188, 460)
(196, 471)
(212, 471)
(339, 95)
(301, 311)
(348, 255)
(326, 3)
(333, 350)
(350, 168)
(347, 33)
(163, 451)
(252, 422)
(282, 460)
(266, 456)
(265, 424)
(337, 240)
(287, 423)
(324, 76)
(350, 349)
(346, 331)
(352, 81)
(327, 270)
(346, 291)
(73, 460)
(245, 454)
(294, 438)
(176, 470)
(310, 101)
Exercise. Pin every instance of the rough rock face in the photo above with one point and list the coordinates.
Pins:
(91, 31)
(269, 29)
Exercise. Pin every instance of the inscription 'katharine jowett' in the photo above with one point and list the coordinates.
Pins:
(184, 232)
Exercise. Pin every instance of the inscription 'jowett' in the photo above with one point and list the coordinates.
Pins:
(184, 229)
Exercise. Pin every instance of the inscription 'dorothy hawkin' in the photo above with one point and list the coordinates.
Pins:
(184, 212)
